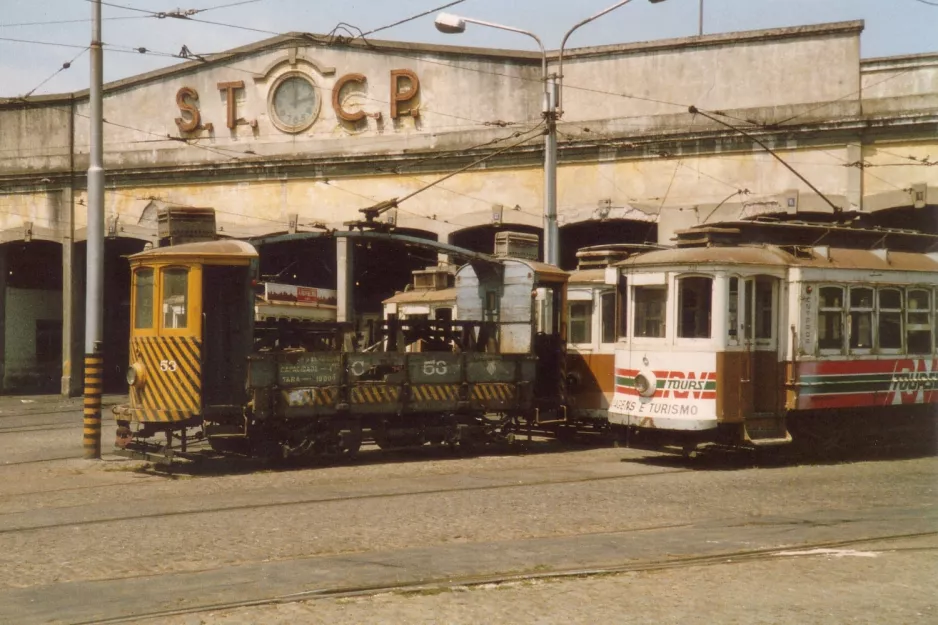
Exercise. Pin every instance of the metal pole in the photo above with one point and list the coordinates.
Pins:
(94, 293)
(700, 19)
(551, 232)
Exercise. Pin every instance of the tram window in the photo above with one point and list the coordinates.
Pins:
(861, 318)
(622, 318)
(443, 314)
(733, 316)
(890, 319)
(650, 303)
(764, 292)
(694, 298)
(581, 321)
(918, 329)
(175, 298)
(607, 306)
(143, 298)
(491, 306)
(830, 318)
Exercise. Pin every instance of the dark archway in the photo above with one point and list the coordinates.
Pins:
(384, 267)
(32, 317)
(586, 233)
(906, 217)
(116, 312)
(380, 267)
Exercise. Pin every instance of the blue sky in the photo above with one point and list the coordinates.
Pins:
(893, 27)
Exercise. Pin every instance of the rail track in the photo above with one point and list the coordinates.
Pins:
(328, 500)
(450, 583)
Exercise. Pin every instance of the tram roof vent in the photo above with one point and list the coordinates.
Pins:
(600, 256)
(185, 224)
(708, 236)
(434, 278)
(516, 245)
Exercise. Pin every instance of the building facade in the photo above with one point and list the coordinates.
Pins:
(298, 133)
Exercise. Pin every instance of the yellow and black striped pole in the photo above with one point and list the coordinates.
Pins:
(94, 381)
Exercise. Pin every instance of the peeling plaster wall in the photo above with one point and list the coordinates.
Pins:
(771, 69)
(636, 157)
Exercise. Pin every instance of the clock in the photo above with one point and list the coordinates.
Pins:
(293, 102)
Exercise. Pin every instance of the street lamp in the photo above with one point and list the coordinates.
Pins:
(454, 24)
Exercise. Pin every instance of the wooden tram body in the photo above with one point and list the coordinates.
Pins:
(749, 344)
(204, 364)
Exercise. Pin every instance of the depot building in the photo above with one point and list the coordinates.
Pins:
(299, 133)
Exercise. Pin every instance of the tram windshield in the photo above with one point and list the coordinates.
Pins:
(175, 298)
(143, 299)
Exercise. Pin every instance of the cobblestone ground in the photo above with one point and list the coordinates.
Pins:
(884, 583)
(66, 520)
(653, 496)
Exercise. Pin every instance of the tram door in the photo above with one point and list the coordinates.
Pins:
(227, 336)
(759, 389)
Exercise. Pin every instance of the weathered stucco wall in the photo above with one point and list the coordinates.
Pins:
(628, 147)
(772, 68)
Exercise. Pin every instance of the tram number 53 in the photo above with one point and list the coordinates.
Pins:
(434, 367)
(167, 365)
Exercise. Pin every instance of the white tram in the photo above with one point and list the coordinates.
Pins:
(751, 344)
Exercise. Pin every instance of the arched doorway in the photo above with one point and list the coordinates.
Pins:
(591, 232)
(31, 316)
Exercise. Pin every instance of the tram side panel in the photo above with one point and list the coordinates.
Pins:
(864, 344)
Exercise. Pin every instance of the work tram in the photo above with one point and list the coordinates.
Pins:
(208, 364)
(752, 344)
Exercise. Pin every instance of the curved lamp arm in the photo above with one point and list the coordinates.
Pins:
(563, 43)
(449, 23)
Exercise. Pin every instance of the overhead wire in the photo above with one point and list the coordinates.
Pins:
(76, 21)
(66, 65)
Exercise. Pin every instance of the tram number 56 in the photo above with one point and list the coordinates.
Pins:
(167, 365)
(434, 367)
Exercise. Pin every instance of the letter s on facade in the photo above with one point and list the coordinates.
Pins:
(195, 118)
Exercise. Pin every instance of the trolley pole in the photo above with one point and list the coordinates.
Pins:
(94, 293)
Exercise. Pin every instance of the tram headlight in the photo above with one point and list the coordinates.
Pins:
(646, 384)
(136, 374)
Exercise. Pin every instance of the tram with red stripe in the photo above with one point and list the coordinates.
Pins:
(721, 341)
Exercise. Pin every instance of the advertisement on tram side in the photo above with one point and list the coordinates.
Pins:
(674, 391)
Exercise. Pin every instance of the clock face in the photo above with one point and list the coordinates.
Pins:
(294, 103)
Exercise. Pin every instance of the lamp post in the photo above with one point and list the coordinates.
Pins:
(551, 111)
(452, 24)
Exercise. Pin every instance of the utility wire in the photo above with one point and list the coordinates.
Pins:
(65, 66)
(835, 208)
(412, 18)
(53, 22)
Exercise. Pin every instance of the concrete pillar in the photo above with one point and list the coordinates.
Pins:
(4, 272)
(345, 279)
(854, 177)
(71, 354)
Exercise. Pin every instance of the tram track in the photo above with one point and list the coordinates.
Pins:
(498, 579)
(327, 500)
(39, 427)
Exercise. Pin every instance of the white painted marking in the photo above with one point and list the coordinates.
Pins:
(837, 553)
